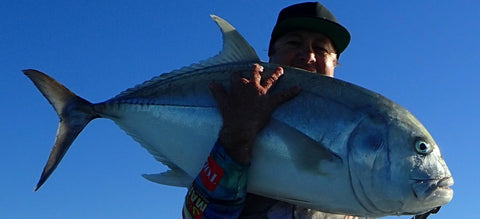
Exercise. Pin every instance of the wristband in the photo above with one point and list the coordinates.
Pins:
(223, 178)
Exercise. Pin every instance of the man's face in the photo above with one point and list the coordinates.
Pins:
(307, 50)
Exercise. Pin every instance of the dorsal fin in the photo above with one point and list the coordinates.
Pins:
(235, 49)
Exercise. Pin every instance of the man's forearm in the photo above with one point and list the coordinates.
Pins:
(220, 188)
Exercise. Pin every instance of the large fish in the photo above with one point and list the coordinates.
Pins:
(336, 147)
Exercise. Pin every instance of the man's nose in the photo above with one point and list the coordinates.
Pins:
(311, 58)
(308, 54)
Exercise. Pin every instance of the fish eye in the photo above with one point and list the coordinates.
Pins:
(423, 147)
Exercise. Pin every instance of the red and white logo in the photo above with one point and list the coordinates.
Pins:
(211, 174)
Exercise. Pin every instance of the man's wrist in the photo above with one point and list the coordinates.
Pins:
(238, 143)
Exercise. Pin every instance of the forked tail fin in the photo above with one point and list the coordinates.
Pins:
(74, 113)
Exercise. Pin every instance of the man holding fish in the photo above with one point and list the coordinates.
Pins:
(306, 36)
(336, 146)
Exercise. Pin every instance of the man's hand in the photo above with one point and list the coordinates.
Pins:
(247, 109)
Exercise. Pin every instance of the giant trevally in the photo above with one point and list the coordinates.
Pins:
(340, 148)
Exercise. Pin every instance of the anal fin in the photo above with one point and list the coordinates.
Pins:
(172, 177)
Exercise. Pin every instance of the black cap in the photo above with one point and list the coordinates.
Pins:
(311, 16)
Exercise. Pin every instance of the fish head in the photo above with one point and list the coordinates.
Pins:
(395, 165)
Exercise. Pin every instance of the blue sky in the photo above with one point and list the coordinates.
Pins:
(421, 54)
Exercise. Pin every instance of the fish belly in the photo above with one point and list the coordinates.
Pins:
(175, 135)
(182, 137)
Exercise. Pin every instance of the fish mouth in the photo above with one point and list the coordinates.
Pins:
(433, 190)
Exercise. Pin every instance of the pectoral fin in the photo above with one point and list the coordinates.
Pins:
(306, 153)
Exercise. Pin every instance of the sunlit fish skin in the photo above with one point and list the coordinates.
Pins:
(336, 147)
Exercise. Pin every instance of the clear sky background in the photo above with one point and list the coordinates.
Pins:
(421, 54)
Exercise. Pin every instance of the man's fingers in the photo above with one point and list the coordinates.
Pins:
(257, 73)
(273, 78)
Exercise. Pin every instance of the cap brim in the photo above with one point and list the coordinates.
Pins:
(337, 33)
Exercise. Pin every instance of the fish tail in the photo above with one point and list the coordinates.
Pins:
(74, 113)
